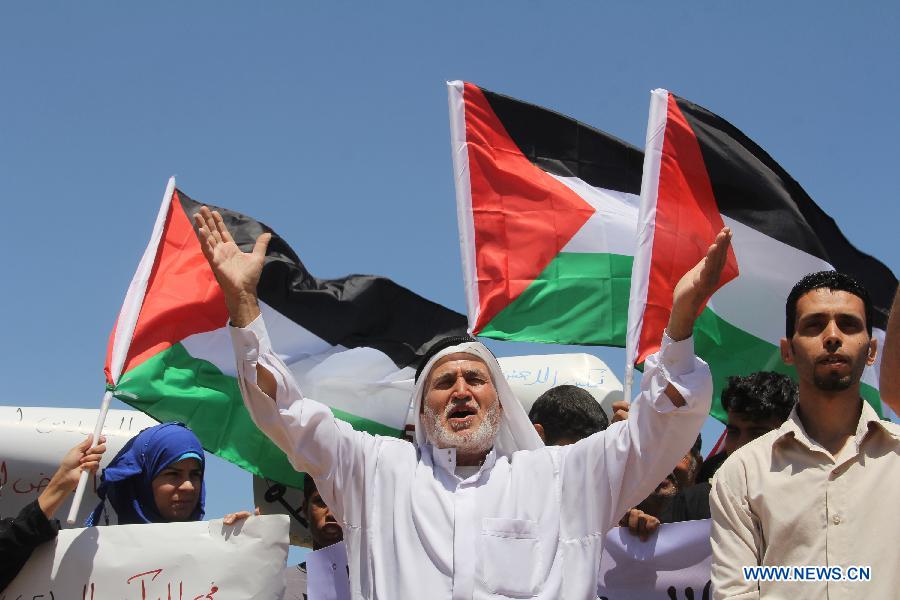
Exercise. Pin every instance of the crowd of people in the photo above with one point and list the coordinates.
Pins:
(491, 502)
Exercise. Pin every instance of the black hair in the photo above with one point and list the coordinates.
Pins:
(439, 345)
(760, 396)
(567, 411)
(831, 280)
(309, 486)
(696, 448)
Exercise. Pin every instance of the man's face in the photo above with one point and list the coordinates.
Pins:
(685, 472)
(740, 430)
(461, 409)
(830, 347)
(681, 476)
(176, 490)
(323, 527)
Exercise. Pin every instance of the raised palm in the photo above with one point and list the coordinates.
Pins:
(236, 271)
(696, 286)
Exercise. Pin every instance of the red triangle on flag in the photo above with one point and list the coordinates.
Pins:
(182, 296)
(687, 220)
(522, 215)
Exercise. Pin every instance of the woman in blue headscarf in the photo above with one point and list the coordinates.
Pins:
(157, 477)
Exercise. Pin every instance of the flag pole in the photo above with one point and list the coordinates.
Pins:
(629, 380)
(83, 478)
(125, 325)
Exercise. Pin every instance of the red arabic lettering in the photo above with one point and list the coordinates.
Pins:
(28, 488)
(156, 573)
(84, 595)
(209, 596)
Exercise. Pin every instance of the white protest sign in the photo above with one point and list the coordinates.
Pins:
(202, 560)
(34, 439)
(531, 376)
(674, 564)
(327, 573)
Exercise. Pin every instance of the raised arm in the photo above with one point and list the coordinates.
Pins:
(306, 431)
(889, 386)
(622, 465)
(34, 525)
(691, 292)
(237, 273)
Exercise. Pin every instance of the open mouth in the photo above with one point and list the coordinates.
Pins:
(833, 359)
(461, 415)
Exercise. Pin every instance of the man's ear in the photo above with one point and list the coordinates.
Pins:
(540, 431)
(873, 351)
(787, 351)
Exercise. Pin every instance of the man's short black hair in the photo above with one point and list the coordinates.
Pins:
(831, 280)
(760, 396)
(567, 412)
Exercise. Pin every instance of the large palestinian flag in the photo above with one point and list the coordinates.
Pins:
(548, 218)
(352, 343)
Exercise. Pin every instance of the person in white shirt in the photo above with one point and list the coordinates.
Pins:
(820, 490)
(477, 508)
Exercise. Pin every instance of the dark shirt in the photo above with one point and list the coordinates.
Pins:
(19, 537)
(710, 466)
(689, 504)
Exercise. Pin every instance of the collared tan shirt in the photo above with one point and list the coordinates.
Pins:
(783, 499)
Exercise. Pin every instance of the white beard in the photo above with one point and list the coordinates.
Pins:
(467, 442)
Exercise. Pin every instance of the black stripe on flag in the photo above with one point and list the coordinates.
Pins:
(753, 189)
(568, 148)
(353, 311)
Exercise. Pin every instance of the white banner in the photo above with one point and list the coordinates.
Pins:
(532, 375)
(34, 439)
(202, 560)
(674, 564)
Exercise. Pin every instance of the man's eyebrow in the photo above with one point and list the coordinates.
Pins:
(827, 315)
(474, 371)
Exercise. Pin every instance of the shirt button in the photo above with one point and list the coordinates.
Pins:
(836, 519)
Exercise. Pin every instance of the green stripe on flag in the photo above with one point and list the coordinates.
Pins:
(578, 299)
(174, 386)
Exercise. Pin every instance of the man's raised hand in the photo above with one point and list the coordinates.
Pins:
(697, 286)
(236, 271)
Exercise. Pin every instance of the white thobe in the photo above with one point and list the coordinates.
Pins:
(530, 525)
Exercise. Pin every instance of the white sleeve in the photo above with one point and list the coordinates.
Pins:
(621, 466)
(314, 441)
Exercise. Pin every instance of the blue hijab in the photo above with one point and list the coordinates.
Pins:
(126, 482)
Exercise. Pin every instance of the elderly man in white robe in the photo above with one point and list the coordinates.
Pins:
(477, 508)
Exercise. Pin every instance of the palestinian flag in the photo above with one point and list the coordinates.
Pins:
(547, 211)
(548, 216)
(352, 343)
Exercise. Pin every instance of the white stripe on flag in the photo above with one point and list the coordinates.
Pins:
(362, 381)
(612, 227)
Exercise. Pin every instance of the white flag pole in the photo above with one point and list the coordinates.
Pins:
(640, 270)
(131, 308)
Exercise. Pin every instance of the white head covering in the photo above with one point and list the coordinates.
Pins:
(516, 431)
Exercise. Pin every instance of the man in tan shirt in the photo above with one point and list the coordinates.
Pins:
(821, 490)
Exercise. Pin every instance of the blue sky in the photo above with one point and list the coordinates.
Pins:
(328, 121)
